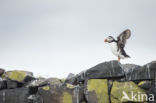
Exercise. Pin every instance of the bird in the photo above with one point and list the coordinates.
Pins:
(117, 46)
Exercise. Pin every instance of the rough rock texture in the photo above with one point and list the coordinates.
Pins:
(108, 82)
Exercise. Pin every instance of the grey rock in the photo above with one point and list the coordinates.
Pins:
(37, 82)
(14, 95)
(13, 84)
(111, 69)
(131, 71)
(71, 79)
(34, 99)
(3, 84)
(135, 72)
(1, 71)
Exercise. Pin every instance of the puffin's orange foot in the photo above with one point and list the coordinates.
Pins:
(118, 59)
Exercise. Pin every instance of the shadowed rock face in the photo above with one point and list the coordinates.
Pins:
(1, 71)
(104, 83)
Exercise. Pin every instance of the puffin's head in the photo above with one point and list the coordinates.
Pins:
(109, 39)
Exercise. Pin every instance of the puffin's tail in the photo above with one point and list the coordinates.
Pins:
(124, 53)
(127, 56)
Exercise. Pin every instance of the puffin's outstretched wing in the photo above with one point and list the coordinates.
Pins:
(123, 37)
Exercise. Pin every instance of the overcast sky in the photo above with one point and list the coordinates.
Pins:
(55, 37)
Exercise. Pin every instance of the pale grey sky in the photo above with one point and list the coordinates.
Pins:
(55, 37)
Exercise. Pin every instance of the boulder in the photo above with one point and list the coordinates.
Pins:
(35, 98)
(1, 71)
(13, 84)
(135, 72)
(3, 84)
(111, 69)
(55, 94)
(14, 95)
(97, 91)
(125, 92)
(66, 93)
(19, 76)
(38, 82)
(71, 79)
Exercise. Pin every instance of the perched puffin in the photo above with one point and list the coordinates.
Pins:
(117, 46)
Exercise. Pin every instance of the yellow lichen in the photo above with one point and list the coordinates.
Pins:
(69, 85)
(16, 75)
(46, 88)
(67, 97)
(120, 89)
(141, 83)
(101, 89)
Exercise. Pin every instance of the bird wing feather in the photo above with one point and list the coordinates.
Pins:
(122, 38)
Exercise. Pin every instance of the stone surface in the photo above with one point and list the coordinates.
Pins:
(16, 75)
(97, 91)
(13, 84)
(3, 84)
(14, 95)
(126, 89)
(1, 71)
(34, 99)
(134, 72)
(55, 94)
(107, 82)
(71, 79)
(111, 69)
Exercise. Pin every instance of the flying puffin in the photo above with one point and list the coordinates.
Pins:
(117, 46)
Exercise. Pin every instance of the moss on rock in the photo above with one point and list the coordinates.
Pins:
(127, 90)
(100, 87)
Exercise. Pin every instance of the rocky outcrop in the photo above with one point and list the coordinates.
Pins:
(108, 82)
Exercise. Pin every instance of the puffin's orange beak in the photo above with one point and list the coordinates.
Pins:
(105, 40)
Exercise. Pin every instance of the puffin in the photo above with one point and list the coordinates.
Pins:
(117, 46)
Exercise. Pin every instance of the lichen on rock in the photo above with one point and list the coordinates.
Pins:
(17, 75)
(125, 92)
(67, 97)
(100, 87)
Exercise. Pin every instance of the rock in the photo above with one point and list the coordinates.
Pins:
(13, 84)
(152, 91)
(108, 82)
(71, 79)
(58, 93)
(146, 85)
(135, 72)
(19, 76)
(34, 99)
(81, 77)
(38, 82)
(53, 81)
(97, 91)
(14, 95)
(130, 71)
(1, 71)
(3, 84)
(111, 69)
(123, 92)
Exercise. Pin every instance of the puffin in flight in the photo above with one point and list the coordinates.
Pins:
(117, 46)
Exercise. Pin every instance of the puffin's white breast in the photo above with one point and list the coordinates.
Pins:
(114, 49)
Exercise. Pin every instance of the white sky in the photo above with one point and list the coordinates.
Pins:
(55, 37)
